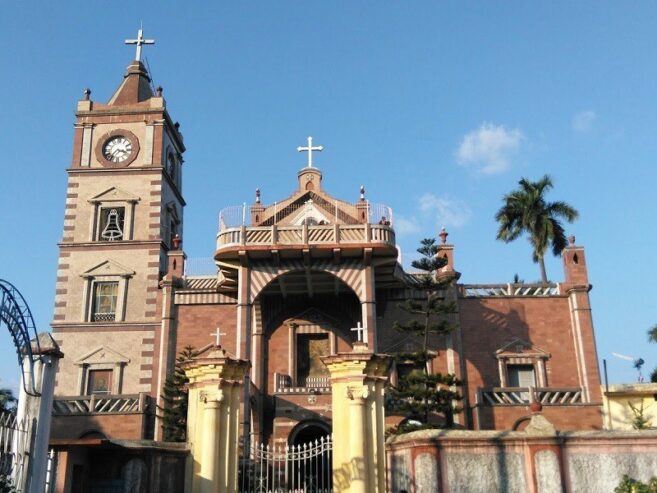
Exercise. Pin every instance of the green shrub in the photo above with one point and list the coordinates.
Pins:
(629, 485)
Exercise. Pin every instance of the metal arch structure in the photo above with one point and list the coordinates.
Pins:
(16, 315)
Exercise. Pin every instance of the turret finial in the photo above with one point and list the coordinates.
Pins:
(443, 235)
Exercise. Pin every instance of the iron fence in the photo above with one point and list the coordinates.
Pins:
(302, 468)
(14, 448)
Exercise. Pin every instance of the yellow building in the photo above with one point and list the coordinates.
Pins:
(623, 403)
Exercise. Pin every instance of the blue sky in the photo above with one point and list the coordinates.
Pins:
(438, 108)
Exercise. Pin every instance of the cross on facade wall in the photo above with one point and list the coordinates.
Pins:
(218, 335)
(139, 41)
(309, 149)
(360, 332)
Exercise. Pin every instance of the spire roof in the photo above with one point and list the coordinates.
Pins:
(135, 88)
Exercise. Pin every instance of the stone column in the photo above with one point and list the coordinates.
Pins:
(35, 413)
(357, 384)
(215, 380)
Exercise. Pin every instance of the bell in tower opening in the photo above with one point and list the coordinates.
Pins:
(112, 220)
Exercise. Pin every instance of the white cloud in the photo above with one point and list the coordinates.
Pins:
(490, 148)
(405, 226)
(584, 120)
(445, 211)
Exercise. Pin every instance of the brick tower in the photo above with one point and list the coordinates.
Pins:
(124, 208)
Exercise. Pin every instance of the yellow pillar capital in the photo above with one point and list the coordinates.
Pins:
(212, 423)
(357, 381)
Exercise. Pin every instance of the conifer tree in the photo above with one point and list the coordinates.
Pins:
(175, 397)
(418, 394)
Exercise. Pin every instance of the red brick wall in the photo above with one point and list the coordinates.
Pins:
(196, 322)
(577, 417)
(119, 426)
(489, 323)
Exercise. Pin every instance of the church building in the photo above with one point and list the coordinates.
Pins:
(295, 280)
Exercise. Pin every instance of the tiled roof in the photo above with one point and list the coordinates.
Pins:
(201, 283)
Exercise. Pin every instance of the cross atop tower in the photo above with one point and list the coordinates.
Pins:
(139, 41)
(309, 149)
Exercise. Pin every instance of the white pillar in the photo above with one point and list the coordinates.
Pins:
(35, 412)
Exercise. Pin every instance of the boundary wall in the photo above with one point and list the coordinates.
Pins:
(451, 461)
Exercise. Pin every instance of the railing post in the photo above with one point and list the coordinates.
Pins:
(274, 234)
(142, 402)
(92, 403)
(243, 235)
(479, 398)
(305, 234)
(368, 232)
(336, 233)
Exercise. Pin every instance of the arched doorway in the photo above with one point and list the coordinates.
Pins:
(311, 450)
(309, 432)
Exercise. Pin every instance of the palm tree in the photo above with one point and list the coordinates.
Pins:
(525, 210)
(652, 337)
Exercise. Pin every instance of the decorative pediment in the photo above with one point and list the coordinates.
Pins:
(103, 355)
(312, 316)
(309, 214)
(108, 268)
(114, 194)
(518, 348)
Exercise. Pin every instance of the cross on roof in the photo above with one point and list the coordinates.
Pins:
(139, 41)
(218, 335)
(360, 331)
(309, 149)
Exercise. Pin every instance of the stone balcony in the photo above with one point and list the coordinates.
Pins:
(126, 416)
(523, 396)
(283, 384)
(101, 404)
(304, 235)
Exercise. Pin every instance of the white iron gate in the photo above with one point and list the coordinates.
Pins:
(14, 448)
(291, 469)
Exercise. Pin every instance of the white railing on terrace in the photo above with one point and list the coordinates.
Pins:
(490, 290)
(283, 384)
(332, 213)
(522, 396)
(307, 235)
(100, 404)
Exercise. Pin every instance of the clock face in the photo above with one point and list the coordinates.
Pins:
(117, 149)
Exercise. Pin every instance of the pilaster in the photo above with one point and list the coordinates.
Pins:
(357, 384)
(215, 380)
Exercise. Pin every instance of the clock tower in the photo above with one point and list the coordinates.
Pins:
(124, 212)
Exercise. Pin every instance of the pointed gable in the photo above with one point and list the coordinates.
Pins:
(518, 348)
(114, 194)
(108, 268)
(103, 355)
